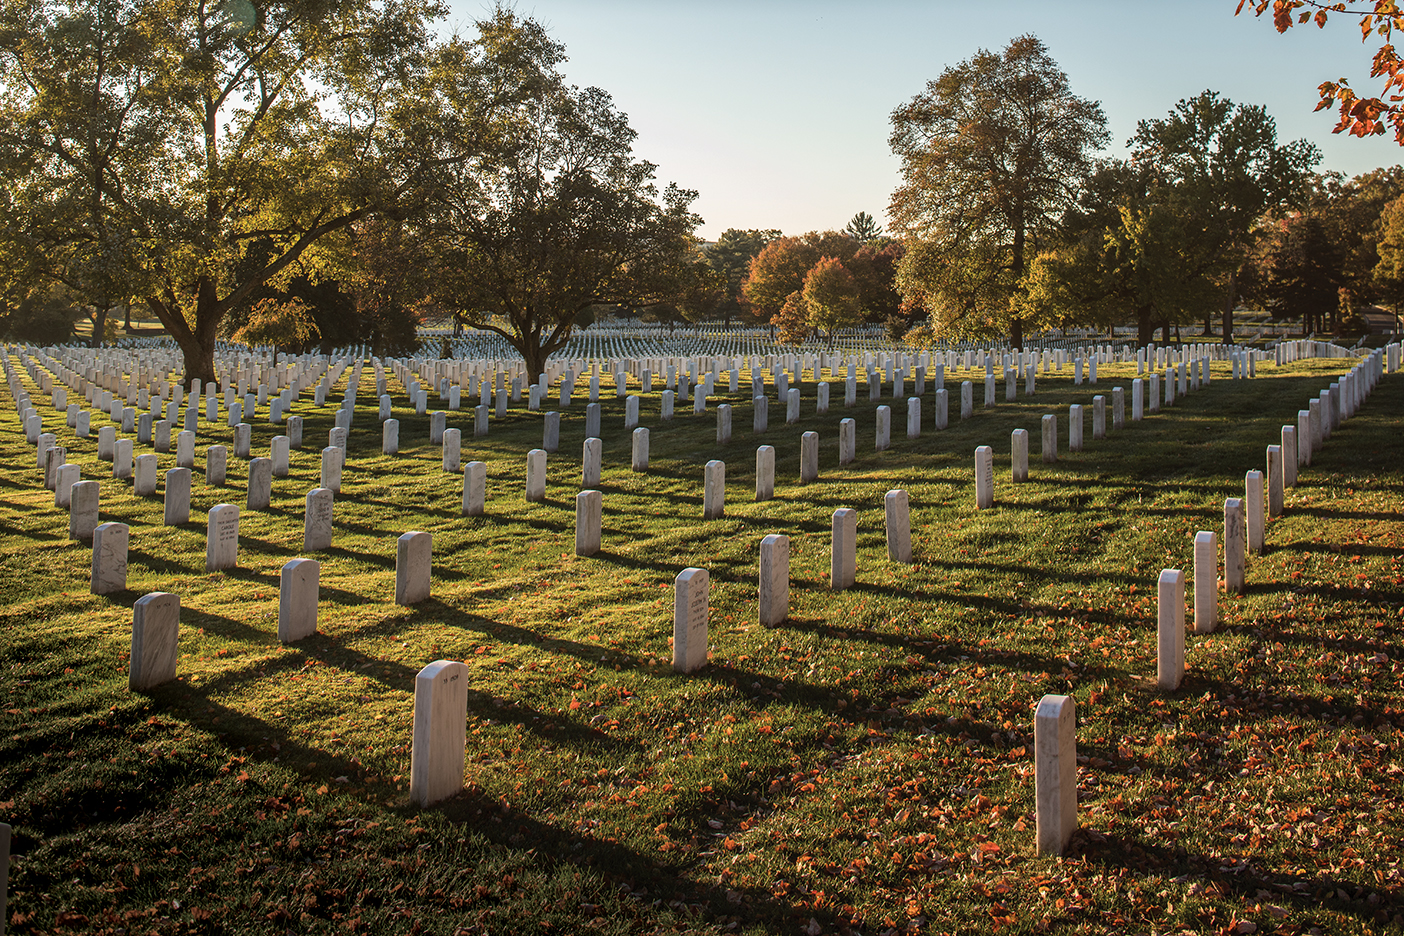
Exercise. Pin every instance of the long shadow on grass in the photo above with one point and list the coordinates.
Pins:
(1240, 875)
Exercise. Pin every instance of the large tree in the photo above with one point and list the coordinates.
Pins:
(560, 216)
(731, 257)
(196, 131)
(85, 119)
(1219, 166)
(993, 152)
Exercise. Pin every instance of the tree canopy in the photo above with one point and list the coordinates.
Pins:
(557, 216)
(992, 154)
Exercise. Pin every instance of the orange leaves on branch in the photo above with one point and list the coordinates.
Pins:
(1359, 116)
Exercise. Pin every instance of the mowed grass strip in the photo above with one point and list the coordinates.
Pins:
(865, 766)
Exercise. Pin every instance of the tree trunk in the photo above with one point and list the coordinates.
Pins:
(1229, 305)
(1016, 334)
(127, 322)
(1145, 326)
(534, 357)
(1208, 323)
(99, 326)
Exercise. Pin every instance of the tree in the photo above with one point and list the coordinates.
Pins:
(282, 324)
(780, 268)
(1360, 116)
(84, 122)
(863, 228)
(557, 217)
(1220, 166)
(874, 269)
(830, 297)
(219, 125)
(731, 257)
(1139, 264)
(1300, 273)
(992, 154)
(1389, 272)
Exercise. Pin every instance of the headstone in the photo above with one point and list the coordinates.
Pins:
(1303, 439)
(317, 520)
(1099, 417)
(1055, 772)
(990, 396)
(155, 640)
(222, 538)
(774, 580)
(82, 510)
(297, 599)
(714, 490)
(761, 414)
(536, 476)
(145, 483)
(452, 446)
(1290, 458)
(260, 492)
(765, 472)
(1253, 501)
(792, 406)
(967, 399)
(65, 477)
(216, 463)
(809, 457)
(480, 420)
(386, 407)
(107, 438)
(1118, 409)
(295, 431)
(724, 424)
(1206, 582)
(109, 573)
(550, 432)
(279, 450)
(592, 421)
(177, 498)
(1075, 427)
(474, 488)
(1019, 455)
(631, 412)
(984, 478)
(589, 508)
(332, 457)
(883, 435)
(1170, 630)
(843, 561)
(914, 417)
(639, 455)
(897, 511)
(942, 408)
(162, 437)
(1235, 545)
(1274, 480)
(690, 608)
(414, 555)
(591, 460)
(243, 440)
(821, 396)
(185, 449)
(390, 437)
(440, 733)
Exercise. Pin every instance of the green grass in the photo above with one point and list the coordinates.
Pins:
(866, 766)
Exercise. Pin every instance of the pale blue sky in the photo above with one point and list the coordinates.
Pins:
(776, 112)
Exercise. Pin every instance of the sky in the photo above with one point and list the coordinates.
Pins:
(777, 111)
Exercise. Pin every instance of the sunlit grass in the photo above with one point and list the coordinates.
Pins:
(866, 765)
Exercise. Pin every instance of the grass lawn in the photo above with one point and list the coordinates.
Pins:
(866, 766)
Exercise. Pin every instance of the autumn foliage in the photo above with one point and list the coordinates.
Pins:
(1360, 116)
